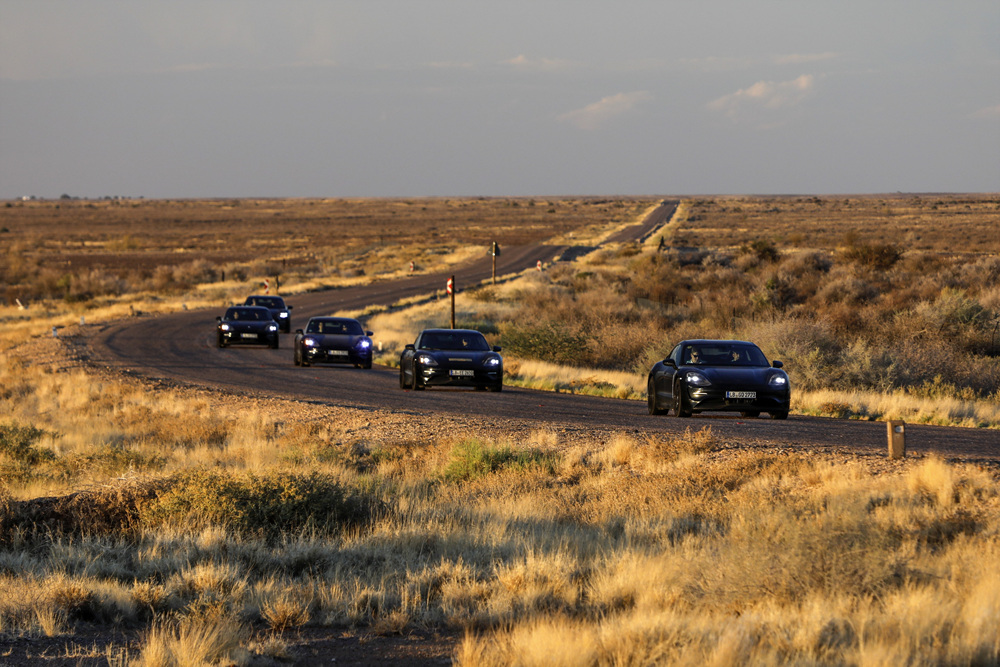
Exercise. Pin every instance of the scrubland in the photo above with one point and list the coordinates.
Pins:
(216, 529)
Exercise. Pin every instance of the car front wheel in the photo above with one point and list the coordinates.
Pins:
(652, 405)
(681, 407)
(781, 414)
(416, 385)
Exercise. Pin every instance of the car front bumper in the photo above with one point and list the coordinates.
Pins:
(249, 337)
(703, 399)
(321, 355)
(443, 377)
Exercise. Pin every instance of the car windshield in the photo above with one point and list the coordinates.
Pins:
(265, 301)
(247, 314)
(343, 327)
(454, 340)
(723, 354)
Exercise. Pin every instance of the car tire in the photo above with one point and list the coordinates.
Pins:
(297, 357)
(750, 414)
(415, 384)
(402, 378)
(681, 407)
(780, 414)
(367, 365)
(652, 405)
(221, 342)
(496, 387)
(274, 344)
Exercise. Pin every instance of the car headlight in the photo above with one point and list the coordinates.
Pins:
(224, 327)
(492, 362)
(426, 360)
(282, 314)
(364, 344)
(696, 379)
(309, 342)
(778, 381)
(272, 327)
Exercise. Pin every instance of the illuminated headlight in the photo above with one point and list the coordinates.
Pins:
(492, 362)
(697, 379)
(309, 342)
(272, 327)
(283, 315)
(364, 344)
(426, 360)
(778, 381)
(225, 327)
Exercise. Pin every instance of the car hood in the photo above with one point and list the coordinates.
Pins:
(248, 325)
(335, 340)
(459, 357)
(736, 375)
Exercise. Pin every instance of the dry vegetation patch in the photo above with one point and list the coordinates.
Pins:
(220, 529)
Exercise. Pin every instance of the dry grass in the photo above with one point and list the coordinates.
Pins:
(607, 549)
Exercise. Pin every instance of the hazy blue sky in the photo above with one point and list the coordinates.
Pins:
(221, 98)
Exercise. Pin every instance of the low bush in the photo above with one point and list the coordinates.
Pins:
(472, 459)
(265, 505)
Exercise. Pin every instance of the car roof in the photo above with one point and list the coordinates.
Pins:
(330, 318)
(264, 296)
(466, 331)
(243, 307)
(713, 341)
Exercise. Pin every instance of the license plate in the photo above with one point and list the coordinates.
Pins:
(248, 335)
(339, 353)
(460, 373)
(741, 394)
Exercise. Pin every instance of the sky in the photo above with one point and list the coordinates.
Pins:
(408, 98)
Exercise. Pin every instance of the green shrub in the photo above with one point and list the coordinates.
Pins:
(18, 442)
(548, 341)
(873, 255)
(265, 505)
(471, 459)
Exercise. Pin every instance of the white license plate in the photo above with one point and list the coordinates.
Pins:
(339, 353)
(741, 394)
(248, 335)
(460, 373)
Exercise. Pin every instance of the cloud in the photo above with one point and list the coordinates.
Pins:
(802, 58)
(592, 116)
(544, 64)
(988, 112)
(771, 95)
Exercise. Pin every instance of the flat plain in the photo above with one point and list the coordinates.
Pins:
(160, 525)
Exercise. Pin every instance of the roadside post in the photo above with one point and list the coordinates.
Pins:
(897, 438)
(539, 265)
(495, 250)
(451, 291)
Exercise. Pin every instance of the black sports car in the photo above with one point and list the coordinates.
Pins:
(247, 325)
(718, 375)
(454, 357)
(276, 305)
(333, 340)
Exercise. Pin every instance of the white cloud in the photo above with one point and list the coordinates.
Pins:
(594, 115)
(545, 64)
(771, 95)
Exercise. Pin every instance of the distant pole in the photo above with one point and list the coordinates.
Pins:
(451, 291)
(495, 250)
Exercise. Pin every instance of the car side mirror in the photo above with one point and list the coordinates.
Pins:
(369, 334)
(409, 346)
(218, 318)
(496, 348)
(298, 331)
(289, 307)
(777, 364)
(669, 362)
